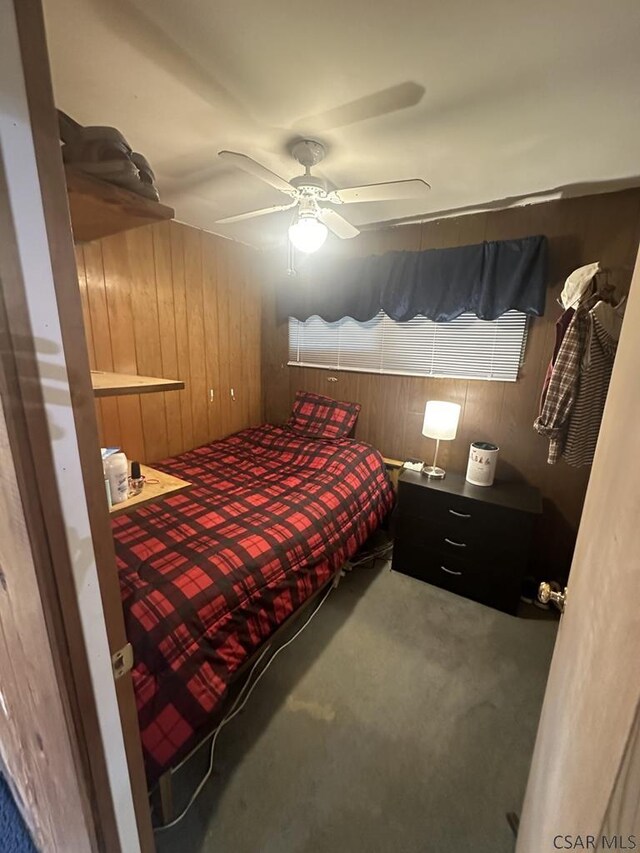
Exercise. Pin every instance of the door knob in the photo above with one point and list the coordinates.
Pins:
(551, 592)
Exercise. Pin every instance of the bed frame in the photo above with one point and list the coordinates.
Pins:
(162, 792)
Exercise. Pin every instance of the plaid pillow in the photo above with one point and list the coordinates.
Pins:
(321, 417)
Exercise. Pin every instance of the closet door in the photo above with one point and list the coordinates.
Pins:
(239, 344)
(225, 340)
(584, 775)
(238, 336)
(252, 293)
(211, 248)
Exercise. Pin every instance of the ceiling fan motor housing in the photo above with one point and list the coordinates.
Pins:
(309, 185)
(308, 152)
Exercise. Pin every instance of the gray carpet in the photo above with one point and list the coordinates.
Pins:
(402, 719)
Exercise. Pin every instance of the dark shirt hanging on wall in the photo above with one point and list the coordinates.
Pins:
(562, 324)
(563, 387)
(577, 392)
(588, 408)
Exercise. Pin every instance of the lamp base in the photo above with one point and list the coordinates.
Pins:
(433, 472)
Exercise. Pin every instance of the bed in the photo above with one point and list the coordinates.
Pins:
(208, 575)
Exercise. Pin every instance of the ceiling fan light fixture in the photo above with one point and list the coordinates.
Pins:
(307, 234)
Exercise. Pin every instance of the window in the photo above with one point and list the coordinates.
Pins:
(465, 348)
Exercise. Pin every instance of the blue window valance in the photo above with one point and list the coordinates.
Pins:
(486, 279)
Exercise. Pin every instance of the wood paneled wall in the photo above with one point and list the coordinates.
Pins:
(581, 230)
(173, 301)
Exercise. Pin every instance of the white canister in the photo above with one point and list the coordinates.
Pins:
(483, 457)
(117, 470)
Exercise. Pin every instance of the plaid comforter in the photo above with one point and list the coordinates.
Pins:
(209, 574)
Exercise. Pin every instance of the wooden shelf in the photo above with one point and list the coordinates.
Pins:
(118, 384)
(99, 208)
(151, 492)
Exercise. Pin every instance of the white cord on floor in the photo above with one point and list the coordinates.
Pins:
(234, 711)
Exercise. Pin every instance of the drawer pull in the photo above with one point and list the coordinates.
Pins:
(449, 571)
(460, 514)
(457, 544)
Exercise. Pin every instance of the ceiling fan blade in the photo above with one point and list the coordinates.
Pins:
(336, 223)
(253, 213)
(390, 100)
(241, 161)
(390, 191)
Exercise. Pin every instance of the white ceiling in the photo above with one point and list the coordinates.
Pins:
(495, 100)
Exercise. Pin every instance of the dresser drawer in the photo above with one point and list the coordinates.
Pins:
(486, 582)
(499, 535)
(421, 502)
(445, 570)
(440, 508)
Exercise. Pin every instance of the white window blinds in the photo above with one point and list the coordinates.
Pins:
(465, 348)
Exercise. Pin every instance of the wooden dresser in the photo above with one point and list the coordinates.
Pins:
(472, 540)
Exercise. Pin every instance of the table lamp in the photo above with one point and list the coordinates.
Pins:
(440, 422)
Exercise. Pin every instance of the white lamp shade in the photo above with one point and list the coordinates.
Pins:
(441, 420)
(308, 234)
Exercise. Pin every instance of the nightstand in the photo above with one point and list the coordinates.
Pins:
(471, 540)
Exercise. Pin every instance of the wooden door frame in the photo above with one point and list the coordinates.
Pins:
(59, 589)
(20, 421)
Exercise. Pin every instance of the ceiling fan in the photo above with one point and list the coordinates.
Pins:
(315, 215)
